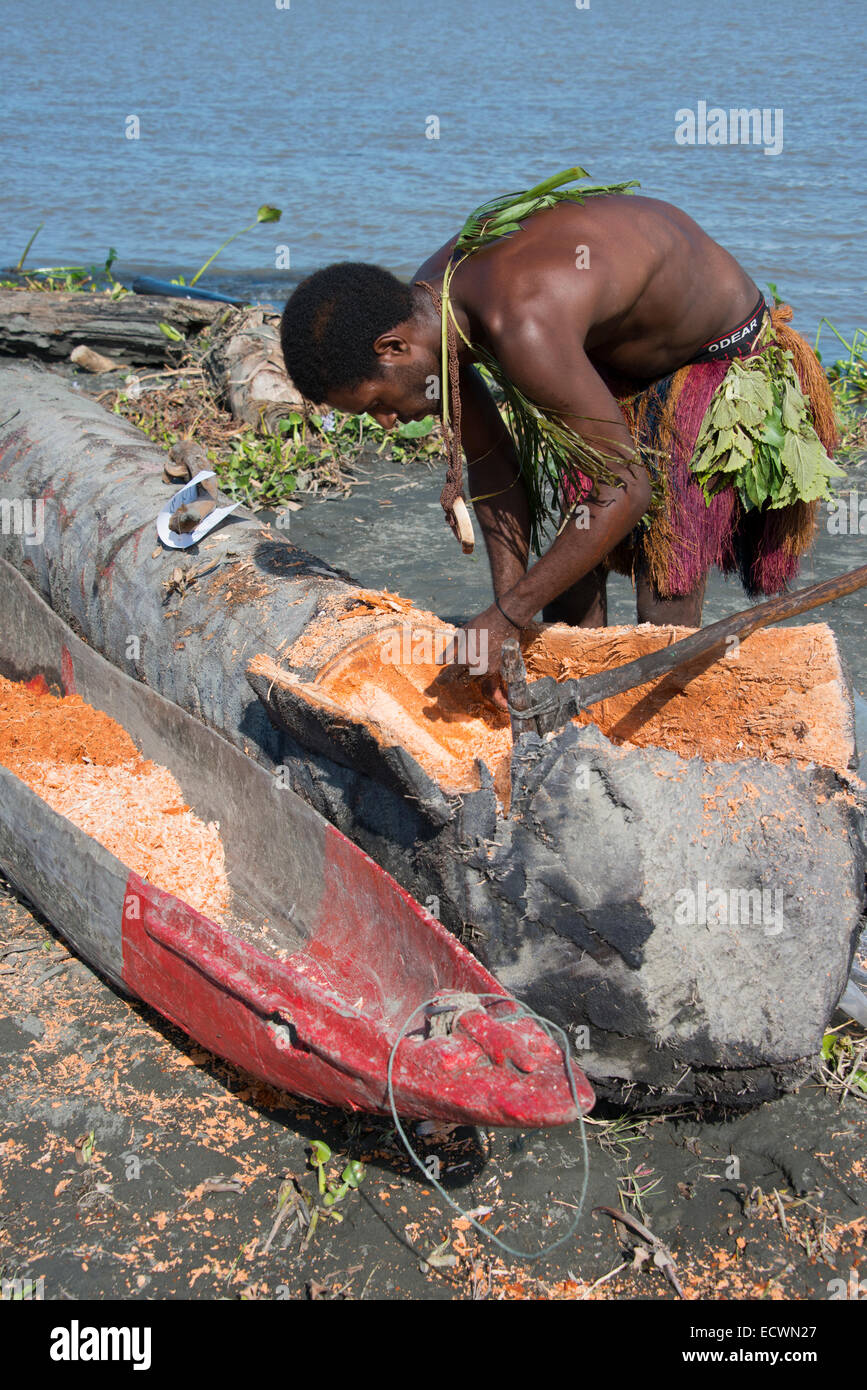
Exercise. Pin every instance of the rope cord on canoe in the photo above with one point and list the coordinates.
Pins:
(522, 1011)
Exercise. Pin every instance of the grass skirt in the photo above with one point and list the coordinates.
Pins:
(685, 535)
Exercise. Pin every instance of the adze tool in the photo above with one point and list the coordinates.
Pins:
(548, 704)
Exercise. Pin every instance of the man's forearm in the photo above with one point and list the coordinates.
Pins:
(503, 517)
(577, 551)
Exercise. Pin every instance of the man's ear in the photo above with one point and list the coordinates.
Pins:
(391, 346)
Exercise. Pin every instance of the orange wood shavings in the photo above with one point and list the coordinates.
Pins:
(780, 695)
(376, 601)
(87, 768)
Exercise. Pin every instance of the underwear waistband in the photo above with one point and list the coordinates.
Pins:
(739, 341)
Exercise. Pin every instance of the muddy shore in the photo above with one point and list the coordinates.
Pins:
(177, 1193)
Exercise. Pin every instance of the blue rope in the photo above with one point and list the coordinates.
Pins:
(523, 1011)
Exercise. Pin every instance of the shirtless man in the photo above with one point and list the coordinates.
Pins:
(655, 292)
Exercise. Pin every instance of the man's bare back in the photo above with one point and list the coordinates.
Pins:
(651, 289)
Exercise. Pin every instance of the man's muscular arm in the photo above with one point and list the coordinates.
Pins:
(561, 378)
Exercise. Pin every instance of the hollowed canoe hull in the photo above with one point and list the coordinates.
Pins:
(320, 1023)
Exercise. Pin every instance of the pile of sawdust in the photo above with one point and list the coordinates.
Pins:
(778, 695)
(87, 768)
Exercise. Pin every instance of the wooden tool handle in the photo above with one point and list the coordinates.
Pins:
(710, 642)
(515, 675)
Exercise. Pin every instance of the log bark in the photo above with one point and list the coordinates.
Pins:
(244, 365)
(49, 324)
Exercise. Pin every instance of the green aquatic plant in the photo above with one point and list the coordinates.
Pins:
(330, 1190)
(413, 440)
(23, 258)
(307, 452)
(848, 379)
(852, 368)
(847, 375)
(261, 471)
(70, 278)
(266, 213)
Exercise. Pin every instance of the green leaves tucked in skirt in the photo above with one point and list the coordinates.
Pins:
(757, 437)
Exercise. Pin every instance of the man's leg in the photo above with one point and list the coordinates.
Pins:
(585, 604)
(679, 612)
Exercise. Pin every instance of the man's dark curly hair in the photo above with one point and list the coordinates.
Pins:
(331, 322)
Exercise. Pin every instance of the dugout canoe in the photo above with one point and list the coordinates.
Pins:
(315, 1001)
(577, 867)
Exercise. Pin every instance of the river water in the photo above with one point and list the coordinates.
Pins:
(325, 108)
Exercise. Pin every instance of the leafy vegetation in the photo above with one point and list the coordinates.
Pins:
(313, 450)
(847, 375)
(84, 279)
(301, 1211)
(309, 453)
(332, 1190)
(24, 253)
(844, 1063)
(87, 279)
(757, 437)
(848, 378)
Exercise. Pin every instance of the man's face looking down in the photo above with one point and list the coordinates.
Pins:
(407, 387)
